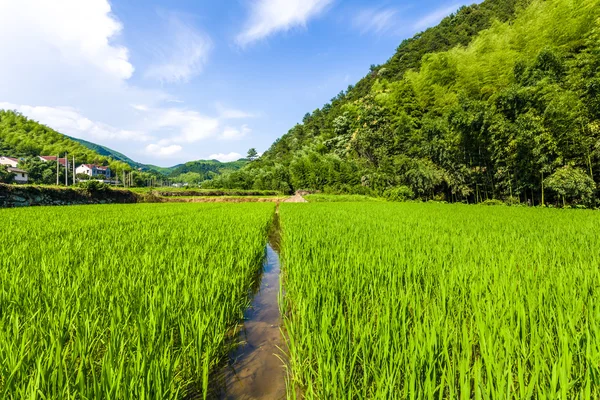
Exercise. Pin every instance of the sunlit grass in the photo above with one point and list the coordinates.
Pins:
(123, 302)
(426, 301)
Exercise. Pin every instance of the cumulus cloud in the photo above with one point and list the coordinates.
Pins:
(181, 55)
(73, 30)
(188, 126)
(434, 17)
(234, 133)
(69, 121)
(375, 20)
(225, 157)
(231, 113)
(271, 16)
(163, 151)
(65, 67)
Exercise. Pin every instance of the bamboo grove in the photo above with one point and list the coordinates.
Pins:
(500, 101)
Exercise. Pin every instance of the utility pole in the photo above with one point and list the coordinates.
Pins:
(74, 180)
(57, 170)
(66, 169)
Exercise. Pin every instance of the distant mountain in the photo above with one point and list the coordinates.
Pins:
(23, 137)
(115, 155)
(206, 168)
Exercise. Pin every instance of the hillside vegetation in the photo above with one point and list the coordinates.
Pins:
(115, 155)
(202, 170)
(501, 100)
(22, 137)
(190, 172)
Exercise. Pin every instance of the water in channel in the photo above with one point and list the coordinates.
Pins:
(256, 369)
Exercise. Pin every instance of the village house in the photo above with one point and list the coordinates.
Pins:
(21, 176)
(11, 162)
(63, 161)
(93, 170)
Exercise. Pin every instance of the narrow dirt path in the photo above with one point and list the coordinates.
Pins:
(297, 198)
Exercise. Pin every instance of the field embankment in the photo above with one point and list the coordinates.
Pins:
(214, 193)
(23, 196)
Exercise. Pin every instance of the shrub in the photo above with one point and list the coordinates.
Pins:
(493, 202)
(94, 186)
(400, 193)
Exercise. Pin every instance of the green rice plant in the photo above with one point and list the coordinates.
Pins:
(123, 301)
(432, 301)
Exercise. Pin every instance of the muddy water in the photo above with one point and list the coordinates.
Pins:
(256, 369)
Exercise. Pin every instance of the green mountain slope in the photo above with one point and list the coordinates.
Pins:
(501, 100)
(115, 155)
(22, 137)
(201, 169)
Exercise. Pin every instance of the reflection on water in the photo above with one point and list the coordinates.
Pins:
(255, 370)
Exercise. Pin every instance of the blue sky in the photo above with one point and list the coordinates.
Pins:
(171, 81)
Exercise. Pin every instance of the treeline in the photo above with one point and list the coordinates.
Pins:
(23, 137)
(26, 139)
(500, 101)
(196, 172)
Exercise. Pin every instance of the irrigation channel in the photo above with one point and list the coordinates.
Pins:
(256, 369)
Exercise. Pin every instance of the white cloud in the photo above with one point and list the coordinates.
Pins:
(188, 126)
(270, 16)
(234, 133)
(163, 151)
(140, 107)
(231, 113)
(225, 157)
(64, 66)
(434, 17)
(182, 55)
(69, 121)
(74, 31)
(375, 20)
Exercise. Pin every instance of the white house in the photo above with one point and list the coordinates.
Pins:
(63, 161)
(11, 162)
(93, 170)
(20, 175)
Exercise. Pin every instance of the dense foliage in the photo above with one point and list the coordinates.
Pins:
(198, 171)
(5, 175)
(430, 301)
(461, 113)
(123, 302)
(22, 137)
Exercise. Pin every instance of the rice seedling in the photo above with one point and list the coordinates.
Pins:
(124, 301)
(426, 301)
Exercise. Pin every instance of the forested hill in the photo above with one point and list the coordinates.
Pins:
(115, 155)
(501, 100)
(22, 137)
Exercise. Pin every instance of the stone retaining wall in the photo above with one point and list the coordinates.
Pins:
(23, 196)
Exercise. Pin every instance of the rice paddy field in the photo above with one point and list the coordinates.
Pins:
(123, 301)
(379, 300)
(426, 301)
